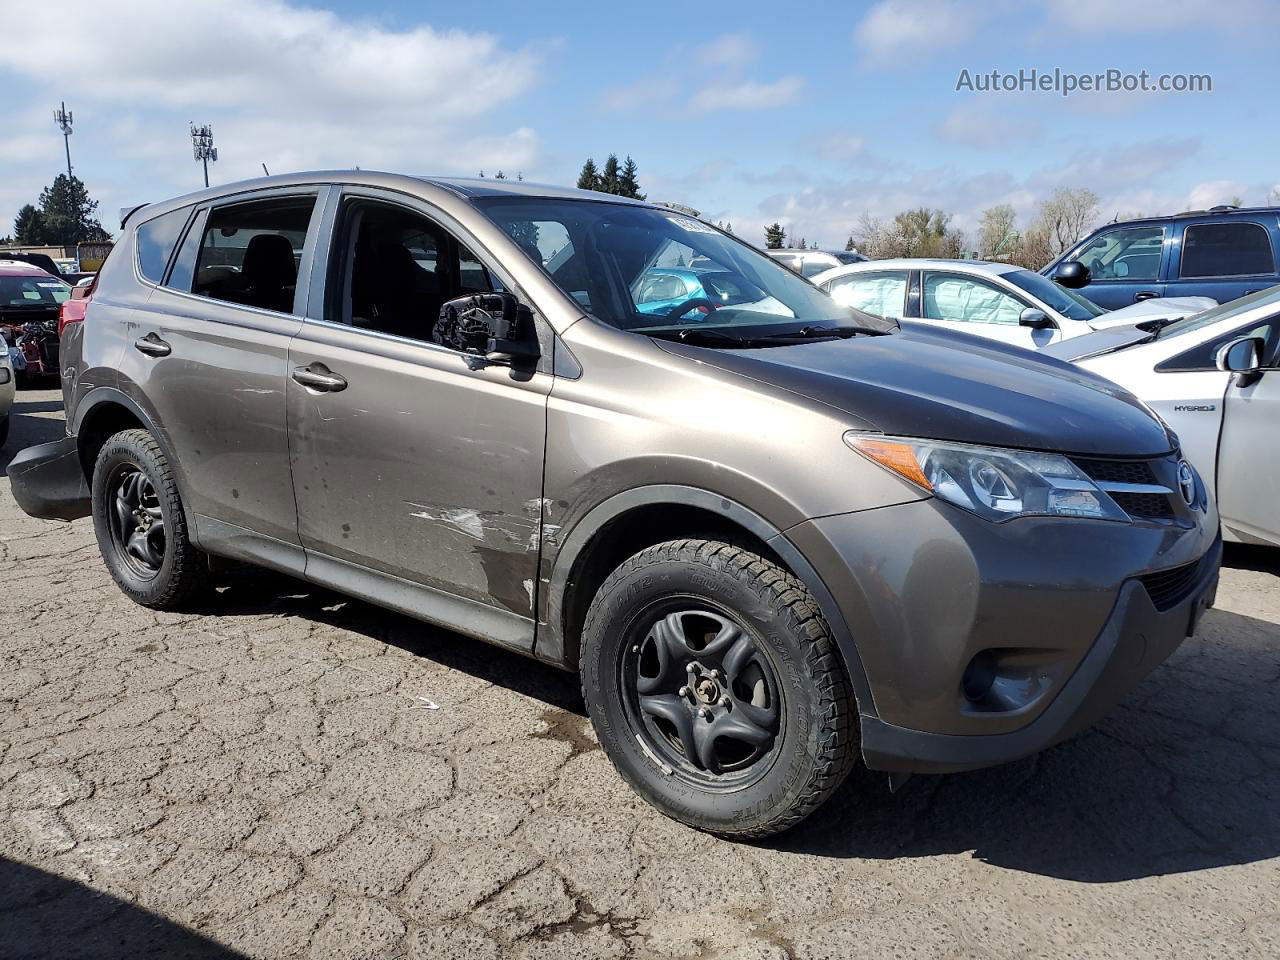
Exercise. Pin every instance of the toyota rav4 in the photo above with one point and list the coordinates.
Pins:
(774, 535)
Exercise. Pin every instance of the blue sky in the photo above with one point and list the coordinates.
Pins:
(812, 114)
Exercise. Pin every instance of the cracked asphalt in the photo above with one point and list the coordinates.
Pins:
(260, 778)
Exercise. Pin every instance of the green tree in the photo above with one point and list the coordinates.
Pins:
(849, 244)
(589, 178)
(775, 238)
(499, 175)
(29, 227)
(69, 213)
(610, 179)
(628, 184)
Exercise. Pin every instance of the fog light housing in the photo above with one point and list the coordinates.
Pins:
(979, 676)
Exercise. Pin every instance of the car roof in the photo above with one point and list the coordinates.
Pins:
(830, 253)
(988, 267)
(1221, 211)
(20, 268)
(469, 188)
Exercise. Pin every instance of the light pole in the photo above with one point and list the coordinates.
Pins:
(202, 147)
(62, 117)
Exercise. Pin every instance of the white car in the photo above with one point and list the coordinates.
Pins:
(995, 300)
(6, 391)
(1215, 379)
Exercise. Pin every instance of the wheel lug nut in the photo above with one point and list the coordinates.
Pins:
(724, 701)
(684, 691)
(691, 668)
(635, 648)
(704, 713)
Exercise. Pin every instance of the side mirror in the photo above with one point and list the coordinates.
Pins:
(1072, 274)
(494, 327)
(1241, 356)
(1035, 319)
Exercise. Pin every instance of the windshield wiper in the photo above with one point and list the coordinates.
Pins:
(702, 338)
(1154, 327)
(841, 332)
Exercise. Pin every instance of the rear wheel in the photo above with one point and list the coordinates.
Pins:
(716, 689)
(140, 524)
(4, 430)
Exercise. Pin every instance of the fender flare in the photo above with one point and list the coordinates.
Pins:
(550, 644)
(100, 396)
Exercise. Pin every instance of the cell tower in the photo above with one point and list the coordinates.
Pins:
(202, 147)
(62, 117)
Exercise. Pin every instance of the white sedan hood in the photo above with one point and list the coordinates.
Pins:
(1157, 308)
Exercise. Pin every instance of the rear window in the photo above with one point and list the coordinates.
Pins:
(156, 240)
(249, 253)
(1226, 250)
(36, 290)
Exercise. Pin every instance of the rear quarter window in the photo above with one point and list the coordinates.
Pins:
(155, 242)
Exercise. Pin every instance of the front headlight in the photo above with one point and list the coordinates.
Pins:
(994, 483)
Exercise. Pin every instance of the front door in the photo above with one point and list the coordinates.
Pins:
(1125, 264)
(1249, 454)
(409, 461)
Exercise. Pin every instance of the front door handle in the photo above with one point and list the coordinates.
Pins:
(1145, 295)
(319, 377)
(152, 346)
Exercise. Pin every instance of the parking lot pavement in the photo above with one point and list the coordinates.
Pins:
(261, 778)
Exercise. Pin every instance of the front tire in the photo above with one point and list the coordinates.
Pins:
(140, 523)
(716, 689)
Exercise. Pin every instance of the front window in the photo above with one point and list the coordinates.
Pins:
(35, 290)
(966, 300)
(1268, 298)
(1130, 253)
(880, 293)
(1055, 295)
(614, 259)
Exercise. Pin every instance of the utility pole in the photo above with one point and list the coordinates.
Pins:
(202, 147)
(62, 117)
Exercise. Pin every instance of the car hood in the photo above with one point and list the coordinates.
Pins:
(944, 386)
(1157, 308)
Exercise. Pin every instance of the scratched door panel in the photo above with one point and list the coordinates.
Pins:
(420, 467)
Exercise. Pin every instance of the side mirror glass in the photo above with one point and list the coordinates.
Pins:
(1241, 356)
(491, 326)
(1035, 319)
(1072, 274)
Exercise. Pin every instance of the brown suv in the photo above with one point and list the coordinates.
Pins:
(772, 533)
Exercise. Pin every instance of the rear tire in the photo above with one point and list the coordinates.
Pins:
(140, 523)
(4, 430)
(716, 689)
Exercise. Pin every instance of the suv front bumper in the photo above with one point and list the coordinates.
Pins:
(1064, 617)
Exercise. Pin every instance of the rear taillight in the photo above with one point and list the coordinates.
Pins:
(71, 311)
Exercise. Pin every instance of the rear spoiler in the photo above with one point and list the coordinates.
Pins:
(127, 212)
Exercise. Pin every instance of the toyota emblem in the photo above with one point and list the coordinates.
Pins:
(1187, 483)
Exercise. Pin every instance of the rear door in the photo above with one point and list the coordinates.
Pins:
(208, 353)
(1126, 264)
(980, 307)
(418, 467)
(1223, 259)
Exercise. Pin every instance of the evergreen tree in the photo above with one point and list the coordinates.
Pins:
(609, 177)
(68, 213)
(802, 244)
(589, 178)
(29, 227)
(849, 244)
(628, 185)
(728, 227)
(775, 238)
(499, 175)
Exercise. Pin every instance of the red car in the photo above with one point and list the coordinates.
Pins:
(30, 303)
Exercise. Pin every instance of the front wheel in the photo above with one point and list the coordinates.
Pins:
(140, 524)
(716, 688)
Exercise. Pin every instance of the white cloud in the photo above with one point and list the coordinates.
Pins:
(1214, 192)
(748, 95)
(899, 31)
(296, 87)
(979, 125)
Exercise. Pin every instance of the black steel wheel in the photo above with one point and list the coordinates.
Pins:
(716, 689)
(140, 523)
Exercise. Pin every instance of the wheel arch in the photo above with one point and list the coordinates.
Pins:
(629, 521)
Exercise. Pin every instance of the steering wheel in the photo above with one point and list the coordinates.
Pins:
(680, 309)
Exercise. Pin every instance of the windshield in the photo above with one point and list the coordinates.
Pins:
(1067, 302)
(35, 290)
(1224, 311)
(659, 272)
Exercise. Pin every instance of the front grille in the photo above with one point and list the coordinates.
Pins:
(1168, 588)
(1117, 471)
(1145, 506)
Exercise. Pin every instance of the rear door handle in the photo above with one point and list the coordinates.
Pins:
(152, 346)
(1145, 295)
(319, 377)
